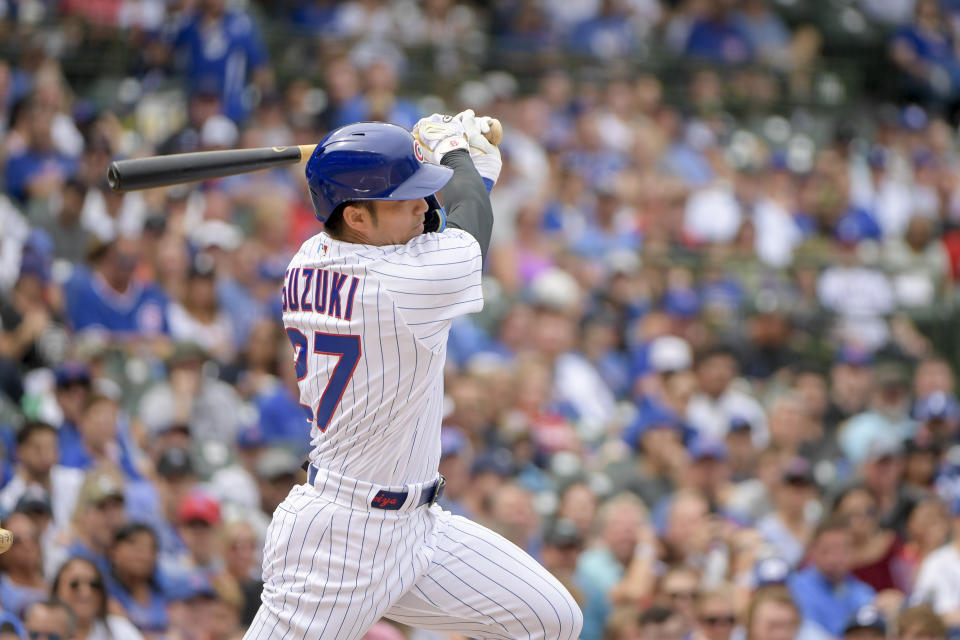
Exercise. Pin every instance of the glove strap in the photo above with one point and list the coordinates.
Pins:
(436, 217)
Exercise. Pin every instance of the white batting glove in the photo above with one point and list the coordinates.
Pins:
(440, 134)
(485, 154)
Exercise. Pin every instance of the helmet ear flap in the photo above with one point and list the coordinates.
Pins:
(435, 219)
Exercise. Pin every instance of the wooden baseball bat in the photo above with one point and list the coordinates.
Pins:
(163, 171)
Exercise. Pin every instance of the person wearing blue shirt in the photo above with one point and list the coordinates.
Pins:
(109, 298)
(926, 52)
(826, 592)
(100, 437)
(221, 45)
(39, 170)
(609, 34)
(719, 38)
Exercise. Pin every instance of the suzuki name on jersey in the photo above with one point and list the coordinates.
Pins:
(318, 291)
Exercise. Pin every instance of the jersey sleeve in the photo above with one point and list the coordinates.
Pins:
(433, 279)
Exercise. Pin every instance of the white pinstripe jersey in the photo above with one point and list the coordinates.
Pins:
(369, 329)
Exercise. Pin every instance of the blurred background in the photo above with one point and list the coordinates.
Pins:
(713, 387)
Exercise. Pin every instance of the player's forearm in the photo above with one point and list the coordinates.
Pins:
(466, 199)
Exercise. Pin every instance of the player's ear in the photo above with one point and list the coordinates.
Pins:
(357, 218)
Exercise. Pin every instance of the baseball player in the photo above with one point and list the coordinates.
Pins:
(367, 305)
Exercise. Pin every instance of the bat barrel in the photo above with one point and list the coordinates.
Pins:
(162, 171)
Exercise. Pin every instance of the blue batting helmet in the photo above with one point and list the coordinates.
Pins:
(370, 161)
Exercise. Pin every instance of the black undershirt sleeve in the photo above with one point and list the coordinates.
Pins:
(466, 200)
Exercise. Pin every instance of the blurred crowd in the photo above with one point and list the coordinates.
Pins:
(713, 387)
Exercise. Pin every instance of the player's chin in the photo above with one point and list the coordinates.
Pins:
(417, 230)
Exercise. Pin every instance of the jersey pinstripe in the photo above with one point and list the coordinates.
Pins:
(369, 327)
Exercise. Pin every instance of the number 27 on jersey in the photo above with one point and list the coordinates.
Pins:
(346, 349)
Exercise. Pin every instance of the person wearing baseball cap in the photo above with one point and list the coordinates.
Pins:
(708, 471)
(99, 514)
(657, 435)
(866, 624)
(198, 521)
(939, 416)
(881, 471)
(741, 452)
(562, 546)
(787, 527)
(73, 385)
(718, 399)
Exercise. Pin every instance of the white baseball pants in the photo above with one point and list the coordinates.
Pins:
(333, 566)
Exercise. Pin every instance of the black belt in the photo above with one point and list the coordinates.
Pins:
(394, 500)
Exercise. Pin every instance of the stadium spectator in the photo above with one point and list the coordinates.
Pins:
(240, 549)
(198, 317)
(877, 550)
(924, 52)
(21, 568)
(207, 406)
(600, 568)
(716, 616)
(866, 624)
(49, 619)
(37, 454)
(772, 615)
(198, 519)
(920, 622)
(221, 48)
(80, 585)
(660, 622)
(826, 592)
(39, 169)
(99, 514)
(933, 584)
(788, 528)
(133, 581)
(109, 297)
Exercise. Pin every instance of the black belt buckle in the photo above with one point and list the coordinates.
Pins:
(437, 491)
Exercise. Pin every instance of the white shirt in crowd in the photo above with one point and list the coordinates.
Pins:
(65, 483)
(938, 582)
(713, 214)
(711, 417)
(215, 338)
(776, 233)
(97, 220)
(112, 628)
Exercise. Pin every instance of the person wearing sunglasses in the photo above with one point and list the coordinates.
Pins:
(715, 617)
(80, 585)
(49, 620)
